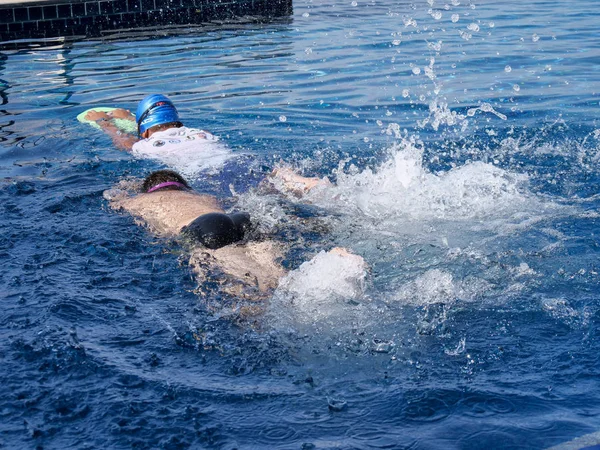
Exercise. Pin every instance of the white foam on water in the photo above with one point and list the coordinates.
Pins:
(320, 289)
(402, 189)
(439, 287)
(432, 241)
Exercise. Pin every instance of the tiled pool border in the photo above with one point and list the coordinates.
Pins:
(59, 18)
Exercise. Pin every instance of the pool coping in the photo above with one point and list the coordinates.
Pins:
(37, 20)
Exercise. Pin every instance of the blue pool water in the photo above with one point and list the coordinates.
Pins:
(464, 141)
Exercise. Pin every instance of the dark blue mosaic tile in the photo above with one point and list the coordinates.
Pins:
(106, 8)
(92, 9)
(6, 15)
(119, 6)
(148, 5)
(133, 5)
(78, 9)
(64, 11)
(21, 14)
(50, 12)
(35, 13)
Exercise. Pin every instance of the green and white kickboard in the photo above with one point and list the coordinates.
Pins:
(127, 126)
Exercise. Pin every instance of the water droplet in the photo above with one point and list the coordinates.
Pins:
(409, 22)
(465, 36)
(337, 405)
(455, 18)
(508, 69)
(282, 118)
(437, 46)
(437, 15)
(516, 88)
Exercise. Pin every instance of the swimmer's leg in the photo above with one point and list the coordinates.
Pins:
(247, 272)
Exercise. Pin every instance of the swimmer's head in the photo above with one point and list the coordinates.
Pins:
(154, 110)
(164, 180)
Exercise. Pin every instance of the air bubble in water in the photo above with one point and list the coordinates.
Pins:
(535, 38)
(508, 69)
(473, 27)
(305, 15)
(416, 70)
(455, 18)
(282, 118)
(308, 50)
(366, 139)
(396, 42)
(492, 25)
(405, 93)
(455, 3)
(354, 3)
(516, 88)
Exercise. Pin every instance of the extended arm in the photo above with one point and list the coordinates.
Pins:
(121, 140)
(286, 180)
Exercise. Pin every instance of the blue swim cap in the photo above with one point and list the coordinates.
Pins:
(155, 109)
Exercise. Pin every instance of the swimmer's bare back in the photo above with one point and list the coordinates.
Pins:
(254, 264)
(167, 212)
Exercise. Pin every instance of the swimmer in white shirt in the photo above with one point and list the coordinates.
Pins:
(162, 136)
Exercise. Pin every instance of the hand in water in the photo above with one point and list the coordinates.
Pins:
(118, 113)
(97, 115)
(121, 113)
(295, 183)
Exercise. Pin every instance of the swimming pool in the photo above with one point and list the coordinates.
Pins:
(463, 139)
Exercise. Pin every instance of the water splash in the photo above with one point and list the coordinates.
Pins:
(320, 288)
